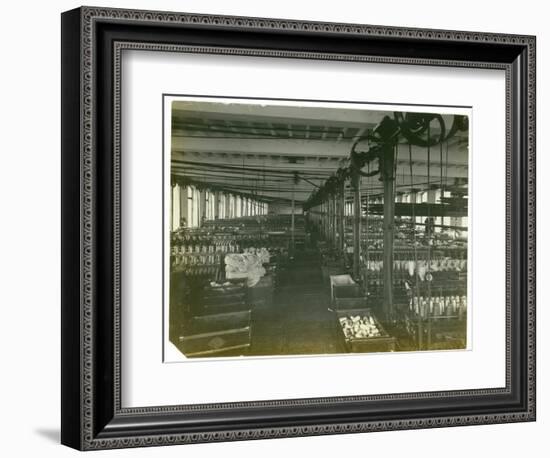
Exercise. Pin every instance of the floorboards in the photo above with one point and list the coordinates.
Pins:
(298, 322)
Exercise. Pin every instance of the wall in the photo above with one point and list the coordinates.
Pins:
(30, 241)
(284, 209)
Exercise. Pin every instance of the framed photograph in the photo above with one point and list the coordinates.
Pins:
(277, 228)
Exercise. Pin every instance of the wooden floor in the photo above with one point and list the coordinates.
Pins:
(298, 322)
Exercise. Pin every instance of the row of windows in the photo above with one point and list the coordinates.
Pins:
(189, 206)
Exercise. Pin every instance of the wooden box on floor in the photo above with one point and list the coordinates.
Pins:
(349, 298)
(224, 298)
(221, 322)
(346, 293)
(221, 334)
(383, 343)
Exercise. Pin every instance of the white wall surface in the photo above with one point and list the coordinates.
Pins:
(30, 229)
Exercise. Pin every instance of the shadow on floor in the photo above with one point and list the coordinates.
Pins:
(52, 435)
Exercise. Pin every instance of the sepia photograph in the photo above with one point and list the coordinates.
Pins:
(276, 226)
(301, 227)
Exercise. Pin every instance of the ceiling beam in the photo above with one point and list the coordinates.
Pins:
(302, 114)
(323, 166)
(458, 153)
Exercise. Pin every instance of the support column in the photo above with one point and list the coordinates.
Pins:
(387, 176)
(335, 242)
(355, 183)
(202, 206)
(323, 220)
(292, 225)
(331, 221)
(340, 217)
(327, 222)
(216, 198)
(366, 246)
(183, 204)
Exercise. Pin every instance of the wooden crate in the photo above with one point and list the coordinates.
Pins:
(223, 298)
(217, 334)
(383, 343)
(339, 280)
(348, 297)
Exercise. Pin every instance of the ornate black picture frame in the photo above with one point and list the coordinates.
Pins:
(92, 41)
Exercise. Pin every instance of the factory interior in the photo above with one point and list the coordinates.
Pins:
(316, 228)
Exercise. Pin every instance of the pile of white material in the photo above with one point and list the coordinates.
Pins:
(246, 265)
(262, 253)
(359, 327)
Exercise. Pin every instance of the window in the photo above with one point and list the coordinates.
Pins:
(196, 207)
(175, 214)
(239, 208)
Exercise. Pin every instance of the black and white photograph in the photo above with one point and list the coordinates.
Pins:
(245, 229)
(303, 227)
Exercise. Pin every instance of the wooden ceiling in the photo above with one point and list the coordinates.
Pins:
(274, 151)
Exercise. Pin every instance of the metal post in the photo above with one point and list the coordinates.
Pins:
(322, 220)
(202, 207)
(340, 220)
(387, 176)
(356, 223)
(325, 221)
(366, 249)
(330, 221)
(333, 222)
(329, 204)
(292, 225)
